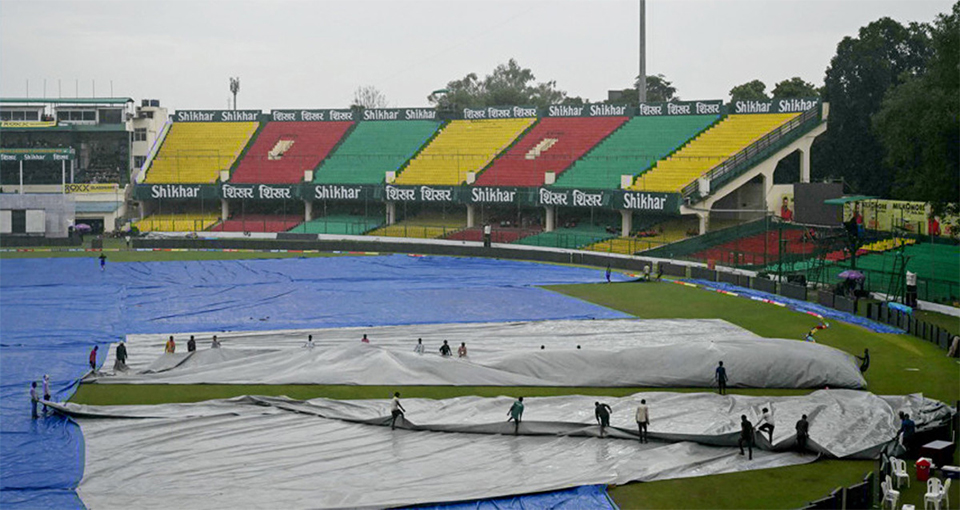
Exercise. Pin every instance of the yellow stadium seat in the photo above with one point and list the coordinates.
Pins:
(177, 222)
(195, 152)
(461, 146)
(712, 147)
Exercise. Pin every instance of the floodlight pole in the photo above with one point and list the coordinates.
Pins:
(642, 79)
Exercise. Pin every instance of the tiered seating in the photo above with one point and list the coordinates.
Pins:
(460, 147)
(340, 224)
(707, 150)
(622, 245)
(633, 148)
(259, 223)
(571, 238)
(283, 150)
(196, 152)
(760, 248)
(178, 222)
(550, 146)
(888, 244)
(373, 149)
(424, 226)
(497, 234)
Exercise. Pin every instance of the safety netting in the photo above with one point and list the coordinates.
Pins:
(323, 453)
(592, 353)
(53, 311)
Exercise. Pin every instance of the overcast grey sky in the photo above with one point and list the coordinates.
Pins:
(299, 54)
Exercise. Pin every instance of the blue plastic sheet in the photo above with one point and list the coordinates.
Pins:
(803, 306)
(585, 497)
(53, 311)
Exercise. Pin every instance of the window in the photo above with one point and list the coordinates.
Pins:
(111, 116)
(138, 161)
(140, 135)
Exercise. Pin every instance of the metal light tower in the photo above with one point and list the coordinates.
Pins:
(642, 79)
(235, 87)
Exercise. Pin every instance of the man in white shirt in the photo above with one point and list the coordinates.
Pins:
(396, 410)
(766, 423)
(309, 344)
(419, 347)
(643, 418)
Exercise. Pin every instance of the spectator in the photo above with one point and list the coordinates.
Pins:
(462, 351)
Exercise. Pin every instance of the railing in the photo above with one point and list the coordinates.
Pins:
(746, 158)
(140, 173)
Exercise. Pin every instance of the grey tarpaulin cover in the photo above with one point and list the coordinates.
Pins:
(651, 353)
(273, 452)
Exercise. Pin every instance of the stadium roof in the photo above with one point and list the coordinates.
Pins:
(75, 100)
(846, 200)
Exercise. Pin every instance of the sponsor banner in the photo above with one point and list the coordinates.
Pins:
(572, 198)
(217, 116)
(231, 191)
(429, 194)
(493, 195)
(589, 110)
(6, 155)
(328, 115)
(500, 112)
(900, 216)
(660, 203)
(340, 191)
(176, 191)
(775, 105)
(91, 188)
(399, 114)
(14, 124)
(672, 108)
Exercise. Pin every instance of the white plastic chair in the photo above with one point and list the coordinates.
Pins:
(937, 494)
(899, 467)
(934, 493)
(889, 494)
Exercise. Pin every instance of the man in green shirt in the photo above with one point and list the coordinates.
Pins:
(516, 413)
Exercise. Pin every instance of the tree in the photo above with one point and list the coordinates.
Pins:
(795, 87)
(659, 90)
(883, 55)
(508, 84)
(369, 97)
(917, 124)
(750, 91)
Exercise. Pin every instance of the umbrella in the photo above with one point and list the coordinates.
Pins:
(850, 274)
(81, 226)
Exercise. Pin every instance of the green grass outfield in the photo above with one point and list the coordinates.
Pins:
(900, 364)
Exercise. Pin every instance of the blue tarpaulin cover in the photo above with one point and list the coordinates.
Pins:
(803, 306)
(53, 311)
